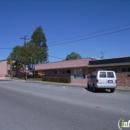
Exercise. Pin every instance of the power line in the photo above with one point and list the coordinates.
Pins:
(91, 37)
(48, 55)
(93, 17)
(109, 33)
(56, 57)
(74, 16)
(126, 29)
(91, 33)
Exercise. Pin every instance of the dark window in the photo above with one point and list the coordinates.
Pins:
(110, 75)
(78, 73)
(123, 69)
(102, 75)
(128, 69)
(68, 71)
(55, 72)
(113, 70)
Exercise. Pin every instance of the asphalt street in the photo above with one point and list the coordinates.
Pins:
(35, 106)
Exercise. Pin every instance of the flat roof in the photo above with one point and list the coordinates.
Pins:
(110, 61)
(107, 65)
(111, 58)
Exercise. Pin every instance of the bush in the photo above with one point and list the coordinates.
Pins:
(56, 79)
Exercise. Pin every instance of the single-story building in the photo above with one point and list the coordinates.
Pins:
(121, 65)
(78, 69)
(75, 69)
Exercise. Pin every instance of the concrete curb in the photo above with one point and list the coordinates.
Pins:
(70, 84)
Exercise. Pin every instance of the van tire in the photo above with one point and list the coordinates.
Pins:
(112, 90)
(88, 87)
(94, 88)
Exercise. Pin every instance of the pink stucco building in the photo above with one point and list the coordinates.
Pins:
(75, 69)
(3, 67)
(78, 70)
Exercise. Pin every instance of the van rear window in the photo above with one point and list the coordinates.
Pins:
(102, 75)
(110, 75)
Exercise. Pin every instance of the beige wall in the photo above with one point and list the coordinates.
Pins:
(3, 67)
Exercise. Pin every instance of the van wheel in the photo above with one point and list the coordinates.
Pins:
(94, 88)
(112, 90)
(88, 87)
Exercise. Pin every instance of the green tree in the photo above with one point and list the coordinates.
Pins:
(35, 54)
(18, 56)
(72, 56)
(39, 39)
(28, 54)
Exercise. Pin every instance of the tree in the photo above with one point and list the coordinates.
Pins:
(39, 39)
(35, 54)
(28, 54)
(72, 56)
(31, 53)
(17, 55)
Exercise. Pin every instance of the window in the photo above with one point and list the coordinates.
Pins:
(78, 73)
(102, 75)
(123, 69)
(8, 65)
(110, 75)
(55, 71)
(68, 71)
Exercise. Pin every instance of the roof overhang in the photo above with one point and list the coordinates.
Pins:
(109, 65)
(59, 68)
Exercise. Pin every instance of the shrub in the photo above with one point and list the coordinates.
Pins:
(56, 79)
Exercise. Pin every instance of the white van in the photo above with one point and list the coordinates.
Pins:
(102, 79)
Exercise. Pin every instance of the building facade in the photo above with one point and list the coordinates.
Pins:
(3, 68)
(78, 70)
(75, 69)
(120, 65)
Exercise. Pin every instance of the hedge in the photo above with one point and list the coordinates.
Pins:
(56, 79)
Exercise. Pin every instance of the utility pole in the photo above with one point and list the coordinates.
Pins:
(102, 54)
(25, 38)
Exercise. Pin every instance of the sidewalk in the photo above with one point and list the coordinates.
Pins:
(67, 84)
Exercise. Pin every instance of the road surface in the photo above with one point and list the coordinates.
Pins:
(36, 106)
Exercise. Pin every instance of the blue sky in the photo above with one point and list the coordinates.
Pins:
(80, 21)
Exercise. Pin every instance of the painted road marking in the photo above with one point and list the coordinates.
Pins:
(84, 89)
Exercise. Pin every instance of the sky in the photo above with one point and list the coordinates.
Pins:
(87, 27)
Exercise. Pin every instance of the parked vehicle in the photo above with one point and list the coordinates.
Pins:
(102, 79)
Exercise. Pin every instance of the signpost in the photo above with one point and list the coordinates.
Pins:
(26, 71)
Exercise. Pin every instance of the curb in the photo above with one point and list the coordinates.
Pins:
(120, 88)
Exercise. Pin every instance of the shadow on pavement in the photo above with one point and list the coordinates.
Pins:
(98, 91)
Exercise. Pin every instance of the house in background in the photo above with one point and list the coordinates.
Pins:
(7, 70)
(3, 68)
(75, 69)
